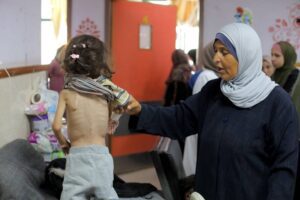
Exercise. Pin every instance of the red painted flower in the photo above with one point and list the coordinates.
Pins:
(240, 10)
(88, 27)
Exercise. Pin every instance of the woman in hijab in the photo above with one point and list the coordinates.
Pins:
(247, 126)
(208, 73)
(284, 58)
(209, 68)
(177, 87)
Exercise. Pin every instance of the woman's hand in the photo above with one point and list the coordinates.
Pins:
(133, 107)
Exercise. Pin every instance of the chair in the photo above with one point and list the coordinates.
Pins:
(167, 160)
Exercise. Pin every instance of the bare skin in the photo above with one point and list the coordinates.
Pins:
(227, 65)
(88, 117)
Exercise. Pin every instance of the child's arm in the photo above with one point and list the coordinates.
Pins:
(113, 123)
(57, 122)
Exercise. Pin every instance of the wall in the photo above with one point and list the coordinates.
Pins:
(20, 46)
(20, 32)
(15, 93)
(142, 72)
(218, 13)
(88, 17)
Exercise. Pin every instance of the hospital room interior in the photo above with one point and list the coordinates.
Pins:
(141, 37)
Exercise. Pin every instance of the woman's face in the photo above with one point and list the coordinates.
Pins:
(268, 68)
(277, 57)
(226, 64)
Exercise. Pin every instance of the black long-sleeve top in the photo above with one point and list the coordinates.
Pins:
(243, 153)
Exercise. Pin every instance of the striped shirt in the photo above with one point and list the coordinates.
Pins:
(100, 86)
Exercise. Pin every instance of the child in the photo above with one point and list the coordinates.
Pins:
(267, 66)
(88, 98)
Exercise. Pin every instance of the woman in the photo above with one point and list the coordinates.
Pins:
(247, 126)
(177, 87)
(284, 58)
(56, 72)
(209, 69)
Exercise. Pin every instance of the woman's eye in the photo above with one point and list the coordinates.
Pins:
(225, 52)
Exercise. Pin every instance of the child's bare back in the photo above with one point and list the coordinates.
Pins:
(87, 118)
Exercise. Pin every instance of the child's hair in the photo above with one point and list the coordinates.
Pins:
(86, 54)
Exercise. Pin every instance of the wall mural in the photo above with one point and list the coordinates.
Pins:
(288, 29)
(88, 27)
(243, 15)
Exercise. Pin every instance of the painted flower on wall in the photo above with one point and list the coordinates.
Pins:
(88, 27)
(288, 29)
(243, 15)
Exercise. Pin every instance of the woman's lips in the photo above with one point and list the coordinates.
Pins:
(219, 69)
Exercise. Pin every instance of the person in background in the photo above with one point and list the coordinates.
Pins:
(193, 55)
(247, 126)
(177, 88)
(87, 98)
(208, 73)
(209, 68)
(267, 66)
(192, 59)
(56, 72)
(284, 58)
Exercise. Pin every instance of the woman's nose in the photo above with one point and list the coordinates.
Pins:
(216, 58)
(272, 57)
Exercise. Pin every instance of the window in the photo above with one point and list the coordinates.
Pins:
(187, 37)
(54, 28)
(187, 29)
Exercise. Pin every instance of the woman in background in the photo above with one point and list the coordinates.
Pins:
(177, 87)
(284, 59)
(177, 84)
(208, 73)
(56, 72)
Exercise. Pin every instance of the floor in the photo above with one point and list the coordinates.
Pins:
(147, 175)
(137, 168)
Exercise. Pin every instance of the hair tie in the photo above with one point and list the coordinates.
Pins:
(74, 56)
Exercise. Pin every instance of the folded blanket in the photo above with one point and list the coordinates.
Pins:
(21, 172)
